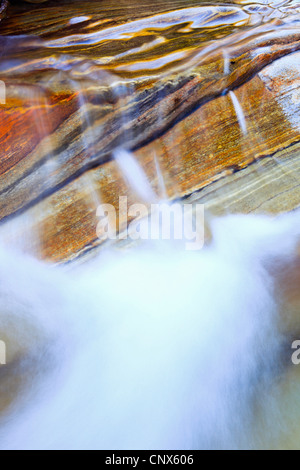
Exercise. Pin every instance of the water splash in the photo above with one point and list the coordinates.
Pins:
(134, 174)
(144, 354)
(226, 56)
(239, 112)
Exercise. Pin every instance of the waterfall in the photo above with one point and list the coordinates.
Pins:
(111, 337)
(149, 349)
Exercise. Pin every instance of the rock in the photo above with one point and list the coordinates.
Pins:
(205, 102)
(3, 8)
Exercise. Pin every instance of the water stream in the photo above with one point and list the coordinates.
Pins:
(148, 345)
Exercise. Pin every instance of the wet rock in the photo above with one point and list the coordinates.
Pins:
(206, 98)
(3, 8)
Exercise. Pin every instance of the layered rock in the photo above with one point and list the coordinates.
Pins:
(3, 8)
(206, 98)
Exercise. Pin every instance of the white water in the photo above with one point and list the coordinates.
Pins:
(151, 349)
(239, 112)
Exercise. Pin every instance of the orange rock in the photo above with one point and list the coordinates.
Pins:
(206, 103)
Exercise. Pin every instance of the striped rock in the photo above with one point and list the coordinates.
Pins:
(205, 97)
(3, 8)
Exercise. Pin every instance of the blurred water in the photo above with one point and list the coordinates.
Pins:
(155, 347)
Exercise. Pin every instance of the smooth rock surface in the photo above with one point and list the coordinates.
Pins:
(206, 97)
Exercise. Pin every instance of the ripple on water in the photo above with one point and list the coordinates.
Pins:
(124, 38)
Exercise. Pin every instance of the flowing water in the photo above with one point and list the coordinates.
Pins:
(148, 346)
(154, 348)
